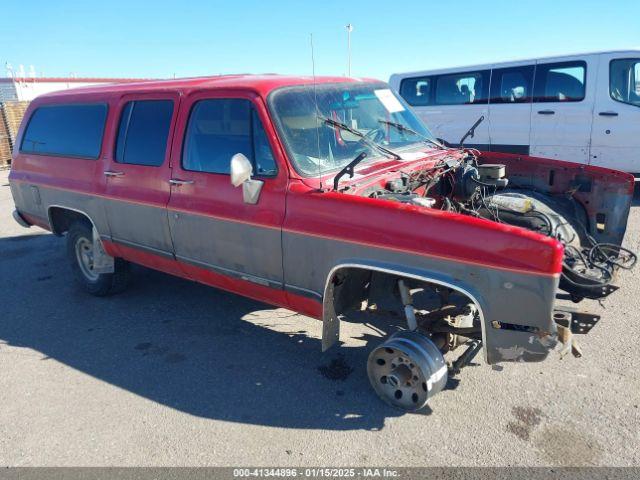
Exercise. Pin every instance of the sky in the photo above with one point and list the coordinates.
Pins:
(162, 39)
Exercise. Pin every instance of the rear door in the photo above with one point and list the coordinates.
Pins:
(615, 141)
(138, 172)
(218, 238)
(562, 112)
(510, 107)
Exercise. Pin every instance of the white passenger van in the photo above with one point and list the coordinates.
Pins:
(582, 108)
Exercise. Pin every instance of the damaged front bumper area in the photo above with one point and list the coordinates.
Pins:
(569, 322)
(572, 322)
(532, 338)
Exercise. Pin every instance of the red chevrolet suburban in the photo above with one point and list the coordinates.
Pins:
(327, 196)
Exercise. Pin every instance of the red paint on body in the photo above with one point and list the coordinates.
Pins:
(288, 201)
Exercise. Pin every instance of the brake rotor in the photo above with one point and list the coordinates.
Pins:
(407, 370)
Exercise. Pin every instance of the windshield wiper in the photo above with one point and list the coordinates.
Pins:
(404, 129)
(348, 169)
(472, 131)
(367, 140)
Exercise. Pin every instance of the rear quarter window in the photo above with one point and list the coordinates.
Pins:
(73, 130)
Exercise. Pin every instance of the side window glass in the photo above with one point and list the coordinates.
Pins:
(220, 128)
(462, 88)
(624, 80)
(73, 130)
(217, 130)
(512, 85)
(264, 163)
(560, 82)
(143, 132)
(416, 91)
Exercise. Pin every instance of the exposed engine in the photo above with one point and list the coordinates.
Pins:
(460, 184)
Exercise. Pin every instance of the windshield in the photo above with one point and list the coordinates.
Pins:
(317, 143)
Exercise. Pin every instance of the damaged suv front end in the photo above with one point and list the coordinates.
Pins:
(472, 248)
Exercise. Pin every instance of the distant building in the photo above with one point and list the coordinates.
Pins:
(27, 88)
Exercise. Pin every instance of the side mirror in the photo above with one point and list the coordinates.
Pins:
(241, 170)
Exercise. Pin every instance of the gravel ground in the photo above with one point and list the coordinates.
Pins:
(176, 373)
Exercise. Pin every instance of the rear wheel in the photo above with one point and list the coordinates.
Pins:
(81, 256)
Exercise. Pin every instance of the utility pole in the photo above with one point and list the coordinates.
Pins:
(349, 30)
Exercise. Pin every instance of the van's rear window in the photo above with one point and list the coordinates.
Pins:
(73, 130)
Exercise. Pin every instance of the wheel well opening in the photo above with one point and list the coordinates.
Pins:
(447, 315)
(61, 219)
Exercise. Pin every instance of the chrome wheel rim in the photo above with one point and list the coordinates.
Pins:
(407, 370)
(84, 257)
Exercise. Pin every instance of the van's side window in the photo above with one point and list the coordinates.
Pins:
(462, 88)
(512, 85)
(73, 130)
(416, 91)
(220, 128)
(143, 132)
(624, 80)
(560, 82)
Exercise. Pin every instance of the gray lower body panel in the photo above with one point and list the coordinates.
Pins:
(254, 253)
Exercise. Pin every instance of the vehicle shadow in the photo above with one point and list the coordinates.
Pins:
(187, 346)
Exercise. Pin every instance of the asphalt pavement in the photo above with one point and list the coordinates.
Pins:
(173, 373)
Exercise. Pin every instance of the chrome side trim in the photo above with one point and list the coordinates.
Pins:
(304, 292)
(139, 246)
(401, 273)
(265, 282)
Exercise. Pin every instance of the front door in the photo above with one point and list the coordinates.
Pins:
(616, 124)
(138, 173)
(562, 111)
(218, 238)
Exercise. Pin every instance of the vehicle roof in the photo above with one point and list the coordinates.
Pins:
(480, 66)
(261, 84)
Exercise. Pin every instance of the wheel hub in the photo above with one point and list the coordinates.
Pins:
(84, 256)
(407, 370)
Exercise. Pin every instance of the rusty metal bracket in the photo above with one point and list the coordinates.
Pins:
(579, 323)
(570, 322)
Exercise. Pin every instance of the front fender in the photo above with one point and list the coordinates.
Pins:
(499, 296)
(512, 274)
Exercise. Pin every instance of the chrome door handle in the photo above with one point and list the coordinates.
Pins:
(111, 173)
(175, 181)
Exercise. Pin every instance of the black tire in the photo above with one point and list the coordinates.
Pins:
(100, 284)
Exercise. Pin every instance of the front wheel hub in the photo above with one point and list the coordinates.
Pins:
(84, 256)
(407, 370)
